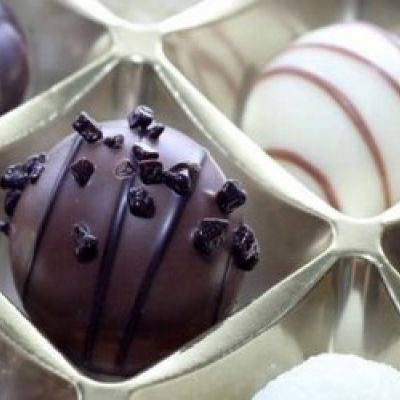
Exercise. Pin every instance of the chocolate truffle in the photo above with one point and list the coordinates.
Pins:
(326, 108)
(14, 68)
(126, 244)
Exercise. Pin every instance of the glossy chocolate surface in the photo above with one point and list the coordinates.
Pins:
(14, 67)
(114, 282)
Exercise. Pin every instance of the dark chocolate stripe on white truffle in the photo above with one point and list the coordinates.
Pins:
(349, 109)
(342, 51)
(53, 196)
(172, 219)
(312, 170)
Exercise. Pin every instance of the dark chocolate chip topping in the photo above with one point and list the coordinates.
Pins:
(182, 178)
(86, 244)
(36, 172)
(114, 142)
(155, 130)
(18, 176)
(151, 172)
(140, 202)
(191, 168)
(210, 235)
(179, 182)
(32, 162)
(87, 128)
(15, 177)
(231, 196)
(82, 170)
(141, 153)
(141, 117)
(245, 248)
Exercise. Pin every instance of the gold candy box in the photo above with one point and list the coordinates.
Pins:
(326, 282)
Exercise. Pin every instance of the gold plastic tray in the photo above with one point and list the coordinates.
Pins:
(326, 282)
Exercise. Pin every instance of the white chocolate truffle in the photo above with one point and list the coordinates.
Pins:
(328, 109)
(333, 377)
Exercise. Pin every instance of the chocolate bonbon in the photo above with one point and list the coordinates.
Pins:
(326, 108)
(14, 65)
(122, 254)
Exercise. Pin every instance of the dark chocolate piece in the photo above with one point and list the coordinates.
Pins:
(182, 178)
(141, 153)
(114, 142)
(32, 162)
(210, 235)
(140, 202)
(11, 201)
(245, 248)
(5, 228)
(151, 172)
(86, 244)
(15, 177)
(82, 170)
(179, 182)
(19, 175)
(231, 196)
(125, 169)
(87, 128)
(141, 117)
(36, 172)
(34, 166)
(124, 313)
(155, 130)
(191, 168)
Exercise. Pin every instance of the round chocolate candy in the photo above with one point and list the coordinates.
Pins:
(14, 67)
(126, 241)
(326, 110)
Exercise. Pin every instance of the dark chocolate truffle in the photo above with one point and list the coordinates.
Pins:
(14, 67)
(125, 269)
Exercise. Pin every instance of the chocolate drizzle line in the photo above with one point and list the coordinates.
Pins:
(313, 171)
(352, 112)
(107, 263)
(150, 275)
(221, 292)
(106, 268)
(342, 51)
(75, 147)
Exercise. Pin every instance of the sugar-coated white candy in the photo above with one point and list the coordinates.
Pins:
(335, 377)
(328, 109)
